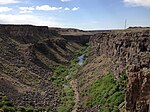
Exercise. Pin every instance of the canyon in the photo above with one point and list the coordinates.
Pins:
(39, 69)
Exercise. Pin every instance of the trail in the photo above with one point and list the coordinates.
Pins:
(74, 86)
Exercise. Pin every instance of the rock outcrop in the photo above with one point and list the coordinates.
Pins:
(124, 48)
(117, 52)
(81, 39)
(138, 92)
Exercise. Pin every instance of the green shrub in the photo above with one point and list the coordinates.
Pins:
(7, 103)
(21, 109)
(4, 98)
(8, 109)
(29, 109)
(106, 92)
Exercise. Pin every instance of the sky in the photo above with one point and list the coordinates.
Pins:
(81, 14)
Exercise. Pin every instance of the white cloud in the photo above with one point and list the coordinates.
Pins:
(67, 8)
(145, 3)
(8, 1)
(27, 19)
(26, 9)
(75, 8)
(42, 8)
(66, 0)
(5, 9)
(47, 8)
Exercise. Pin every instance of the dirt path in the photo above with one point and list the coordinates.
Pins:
(74, 86)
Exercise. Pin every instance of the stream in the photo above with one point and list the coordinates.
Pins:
(81, 59)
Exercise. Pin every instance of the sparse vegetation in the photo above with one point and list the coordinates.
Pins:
(106, 92)
(7, 106)
(62, 76)
(60, 79)
(83, 50)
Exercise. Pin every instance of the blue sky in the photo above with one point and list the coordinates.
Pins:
(81, 14)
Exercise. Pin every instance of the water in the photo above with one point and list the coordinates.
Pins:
(81, 59)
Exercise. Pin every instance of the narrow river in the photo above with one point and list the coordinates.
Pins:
(81, 59)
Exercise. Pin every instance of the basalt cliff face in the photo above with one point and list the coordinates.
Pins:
(124, 48)
(121, 53)
(28, 55)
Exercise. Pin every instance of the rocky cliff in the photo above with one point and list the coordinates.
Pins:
(121, 53)
(27, 57)
(137, 97)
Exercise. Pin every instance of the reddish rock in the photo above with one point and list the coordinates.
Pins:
(138, 92)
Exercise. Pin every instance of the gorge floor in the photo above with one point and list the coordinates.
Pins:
(74, 85)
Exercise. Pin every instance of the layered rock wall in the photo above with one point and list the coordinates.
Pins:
(129, 52)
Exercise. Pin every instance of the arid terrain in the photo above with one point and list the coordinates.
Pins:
(39, 69)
